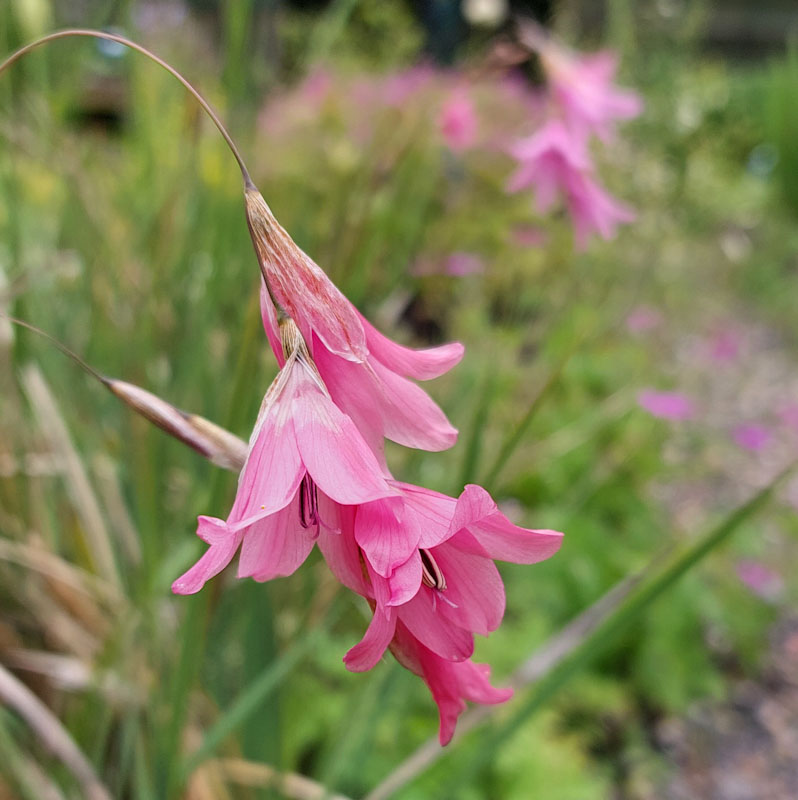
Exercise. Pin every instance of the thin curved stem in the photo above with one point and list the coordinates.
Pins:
(112, 37)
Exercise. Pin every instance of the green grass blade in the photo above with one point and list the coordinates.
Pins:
(250, 701)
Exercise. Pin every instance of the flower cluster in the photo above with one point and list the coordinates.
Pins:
(555, 160)
(316, 473)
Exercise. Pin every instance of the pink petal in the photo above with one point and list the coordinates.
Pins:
(474, 597)
(334, 453)
(497, 537)
(382, 403)
(405, 581)
(223, 545)
(386, 541)
(369, 650)
(274, 469)
(433, 630)
(410, 416)
(428, 512)
(342, 555)
(269, 317)
(275, 545)
(419, 364)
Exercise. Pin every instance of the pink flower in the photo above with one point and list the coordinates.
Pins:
(428, 572)
(556, 162)
(642, 319)
(460, 264)
(365, 372)
(305, 456)
(458, 121)
(583, 88)
(666, 405)
(788, 415)
(760, 579)
(450, 682)
(529, 236)
(752, 436)
(724, 345)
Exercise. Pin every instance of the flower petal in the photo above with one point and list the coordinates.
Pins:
(419, 364)
(275, 545)
(223, 545)
(386, 541)
(369, 650)
(334, 453)
(422, 619)
(342, 555)
(495, 535)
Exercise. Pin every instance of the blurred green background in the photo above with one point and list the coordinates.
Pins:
(122, 234)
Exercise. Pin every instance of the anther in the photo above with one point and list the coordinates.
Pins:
(308, 503)
(431, 574)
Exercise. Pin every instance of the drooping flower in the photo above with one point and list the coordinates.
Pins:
(450, 682)
(555, 162)
(752, 436)
(366, 373)
(429, 574)
(674, 406)
(642, 319)
(305, 456)
(582, 86)
(458, 121)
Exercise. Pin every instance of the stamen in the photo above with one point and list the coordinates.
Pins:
(308, 503)
(431, 574)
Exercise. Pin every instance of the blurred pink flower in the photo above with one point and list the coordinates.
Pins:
(788, 415)
(428, 572)
(462, 263)
(642, 319)
(666, 405)
(398, 87)
(365, 372)
(725, 344)
(760, 579)
(304, 456)
(583, 88)
(752, 436)
(458, 121)
(529, 236)
(556, 162)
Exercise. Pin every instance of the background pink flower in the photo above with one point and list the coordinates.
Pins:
(666, 405)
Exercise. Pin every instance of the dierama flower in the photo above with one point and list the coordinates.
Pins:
(555, 161)
(365, 372)
(304, 457)
(458, 121)
(429, 575)
(450, 682)
(583, 88)
(674, 406)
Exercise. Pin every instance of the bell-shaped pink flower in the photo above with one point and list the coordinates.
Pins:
(458, 121)
(555, 162)
(376, 392)
(450, 682)
(429, 575)
(366, 373)
(584, 90)
(305, 456)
